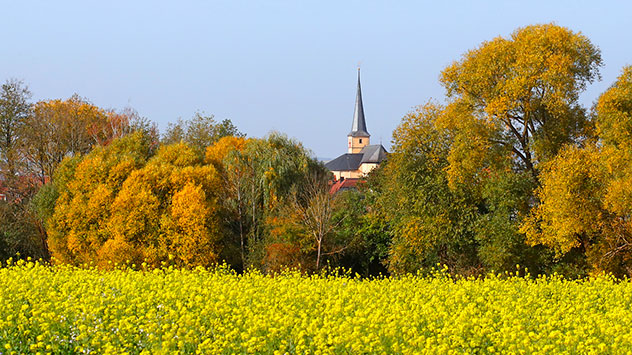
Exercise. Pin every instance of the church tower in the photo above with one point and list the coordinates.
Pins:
(361, 157)
(358, 138)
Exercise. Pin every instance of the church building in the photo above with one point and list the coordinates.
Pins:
(361, 156)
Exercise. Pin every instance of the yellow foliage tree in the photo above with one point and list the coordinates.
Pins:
(119, 204)
(461, 178)
(586, 193)
(519, 94)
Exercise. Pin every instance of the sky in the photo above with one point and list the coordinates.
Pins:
(287, 66)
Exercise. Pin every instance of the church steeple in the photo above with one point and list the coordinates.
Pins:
(358, 138)
(358, 128)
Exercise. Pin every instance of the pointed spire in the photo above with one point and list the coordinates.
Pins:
(358, 128)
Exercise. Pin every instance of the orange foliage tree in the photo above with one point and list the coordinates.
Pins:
(120, 203)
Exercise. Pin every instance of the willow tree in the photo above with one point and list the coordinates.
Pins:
(260, 177)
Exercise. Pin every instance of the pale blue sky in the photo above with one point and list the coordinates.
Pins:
(276, 65)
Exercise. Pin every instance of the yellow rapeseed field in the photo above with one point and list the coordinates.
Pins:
(71, 310)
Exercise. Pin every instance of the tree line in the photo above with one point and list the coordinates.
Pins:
(508, 169)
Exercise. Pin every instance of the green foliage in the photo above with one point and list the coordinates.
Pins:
(200, 131)
(14, 112)
(261, 178)
(20, 234)
(429, 222)
(361, 231)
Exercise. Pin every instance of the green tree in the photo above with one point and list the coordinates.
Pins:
(14, 112)
(260, 177)
(362, 235)
(429, 222)
(200, 131)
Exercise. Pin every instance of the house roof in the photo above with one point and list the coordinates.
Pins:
(372, 154)
(345, 162)
(344, 184)
(358, 127)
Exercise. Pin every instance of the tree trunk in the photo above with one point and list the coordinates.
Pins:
(318, 255)
(241, 231)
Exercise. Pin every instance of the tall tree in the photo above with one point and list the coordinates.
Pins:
(429, 222)
(586, 192)
(226, 155)
(20, 231)
(522, 93)
(464, 174)
(62, 128)
(14, 112)
(260, 175)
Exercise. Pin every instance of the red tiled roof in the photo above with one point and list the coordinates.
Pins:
(344, 184)
(23, 181)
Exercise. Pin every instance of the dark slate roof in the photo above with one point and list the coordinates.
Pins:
(352, 161)
(358, 127)
(345, 162)
(373, 154)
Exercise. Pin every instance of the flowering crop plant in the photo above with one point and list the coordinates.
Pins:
(63, 309)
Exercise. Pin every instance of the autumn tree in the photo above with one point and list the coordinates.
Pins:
(61, 128)
(76, 204)
(586, 190)
(169, 209)
(20, 231)
(519, 94)
(312, 214)
(462, 176)
(123, 202)
(121, 123)
(316, 214)
(226, 156)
